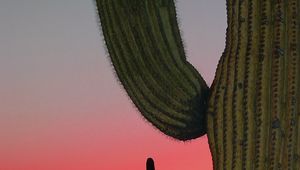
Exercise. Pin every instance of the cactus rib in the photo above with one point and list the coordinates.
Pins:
(297, 51)
(263, 83)
(249, 88)
(237, 105)
(228, 91)
(293, 81)
(277, 87)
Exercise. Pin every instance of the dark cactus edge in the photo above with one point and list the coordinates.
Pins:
(150, 164)
(251, 113)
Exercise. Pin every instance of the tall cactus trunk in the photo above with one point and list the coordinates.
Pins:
(144, 45)
(254, 106)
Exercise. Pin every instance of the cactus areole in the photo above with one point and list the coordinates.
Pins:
(251, 113)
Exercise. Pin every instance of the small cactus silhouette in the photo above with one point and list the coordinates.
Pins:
(150, 164)
(251, 112)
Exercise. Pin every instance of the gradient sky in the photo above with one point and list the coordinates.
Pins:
(61, 107)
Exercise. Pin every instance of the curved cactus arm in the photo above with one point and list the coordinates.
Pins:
(145, 47)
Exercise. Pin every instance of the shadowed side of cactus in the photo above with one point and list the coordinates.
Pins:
(252, 110)
(150, 164)
(145, 48)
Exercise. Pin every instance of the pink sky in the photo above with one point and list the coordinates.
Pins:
(61, 108)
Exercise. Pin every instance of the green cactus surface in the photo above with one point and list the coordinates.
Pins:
(251, 112)
(147, 54)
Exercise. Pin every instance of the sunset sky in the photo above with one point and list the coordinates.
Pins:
(61, 107)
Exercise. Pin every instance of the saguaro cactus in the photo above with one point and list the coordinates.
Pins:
(150, 164)
(251, 113)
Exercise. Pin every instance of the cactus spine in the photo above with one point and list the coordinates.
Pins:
(251, 112)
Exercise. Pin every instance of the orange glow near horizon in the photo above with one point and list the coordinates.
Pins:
(80, 145)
